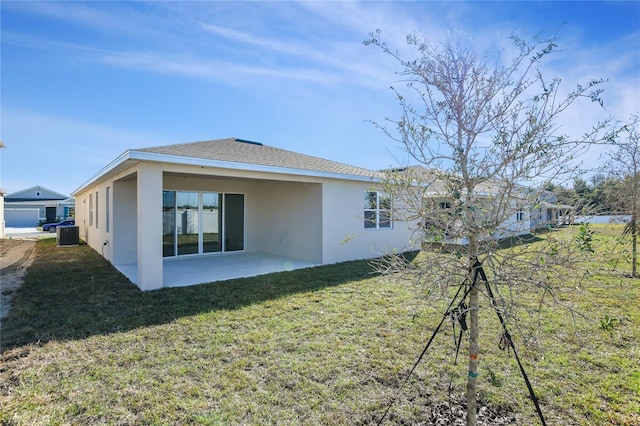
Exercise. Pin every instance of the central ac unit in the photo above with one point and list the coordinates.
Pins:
(68, 235)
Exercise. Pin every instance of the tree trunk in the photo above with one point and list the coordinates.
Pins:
(473, 358)
(474, 327)
(634, 222)
(634, 245)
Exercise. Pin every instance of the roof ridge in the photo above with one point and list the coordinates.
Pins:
(149, 148)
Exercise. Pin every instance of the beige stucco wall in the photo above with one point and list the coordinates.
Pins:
(122, 246)
(135, 215)
(149, 214)
(344, 235)
(290, 220)
(96, 234)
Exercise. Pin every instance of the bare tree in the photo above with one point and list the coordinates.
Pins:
(624, 170)
(480, 130)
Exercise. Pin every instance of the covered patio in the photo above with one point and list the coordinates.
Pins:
(185, 271)
(207, 211)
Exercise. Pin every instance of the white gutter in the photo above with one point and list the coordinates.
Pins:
(204, 162)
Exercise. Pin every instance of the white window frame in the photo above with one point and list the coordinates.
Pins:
(374, 213)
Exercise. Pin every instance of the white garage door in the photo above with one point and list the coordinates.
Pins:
(20, 217)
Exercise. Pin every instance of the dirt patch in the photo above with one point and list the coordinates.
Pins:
(15, 258)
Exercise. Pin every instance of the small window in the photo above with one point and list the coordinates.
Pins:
(519, 216)
(97, 209)
(107, 205)
(377, 210)
(90, 209)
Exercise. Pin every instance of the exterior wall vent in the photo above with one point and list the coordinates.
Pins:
(68, 235)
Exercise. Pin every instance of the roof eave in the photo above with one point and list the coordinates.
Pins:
(204, 162)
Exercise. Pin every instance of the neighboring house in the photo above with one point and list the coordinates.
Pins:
(546, 212)
(441, 215)
(36, 205)
(208, 203)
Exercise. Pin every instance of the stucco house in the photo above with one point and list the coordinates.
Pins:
(526, 210)
(437, 205)
(31, 206)
(547, 212)
(204, 211)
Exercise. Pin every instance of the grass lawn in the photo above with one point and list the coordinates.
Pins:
(323, 346)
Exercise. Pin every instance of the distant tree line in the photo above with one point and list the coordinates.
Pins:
(598, 195)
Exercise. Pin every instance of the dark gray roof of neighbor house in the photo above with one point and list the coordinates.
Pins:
(247, 152)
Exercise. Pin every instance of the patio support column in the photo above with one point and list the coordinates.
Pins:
(149, 227)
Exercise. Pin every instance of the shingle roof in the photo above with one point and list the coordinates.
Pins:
(246, 152)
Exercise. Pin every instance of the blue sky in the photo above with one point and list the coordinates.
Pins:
(81, 82)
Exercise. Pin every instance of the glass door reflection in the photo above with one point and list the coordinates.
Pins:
(187, 223)
(233, 222)
(168, 223)
(211, 222)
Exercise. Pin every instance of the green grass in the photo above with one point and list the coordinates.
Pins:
(327, 345)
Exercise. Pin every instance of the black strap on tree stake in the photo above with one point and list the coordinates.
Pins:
(480, 271)
(424, 351)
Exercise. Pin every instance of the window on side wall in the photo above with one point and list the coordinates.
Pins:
(97, 209)
(377, 210)
(107, 209)
(90, 209)
(519, 216)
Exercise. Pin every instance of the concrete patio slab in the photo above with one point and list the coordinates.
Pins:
(186, 271)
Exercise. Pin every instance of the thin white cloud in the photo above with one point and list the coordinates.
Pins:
(116, 18)
(182, 64)
(219, 70)
(245, 38)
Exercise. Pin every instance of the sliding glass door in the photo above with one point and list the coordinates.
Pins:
(211, 222)
(168, 223)
(202, 222)
(188, 222)
(233, 222)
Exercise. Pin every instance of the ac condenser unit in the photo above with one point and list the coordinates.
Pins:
(68, 235)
